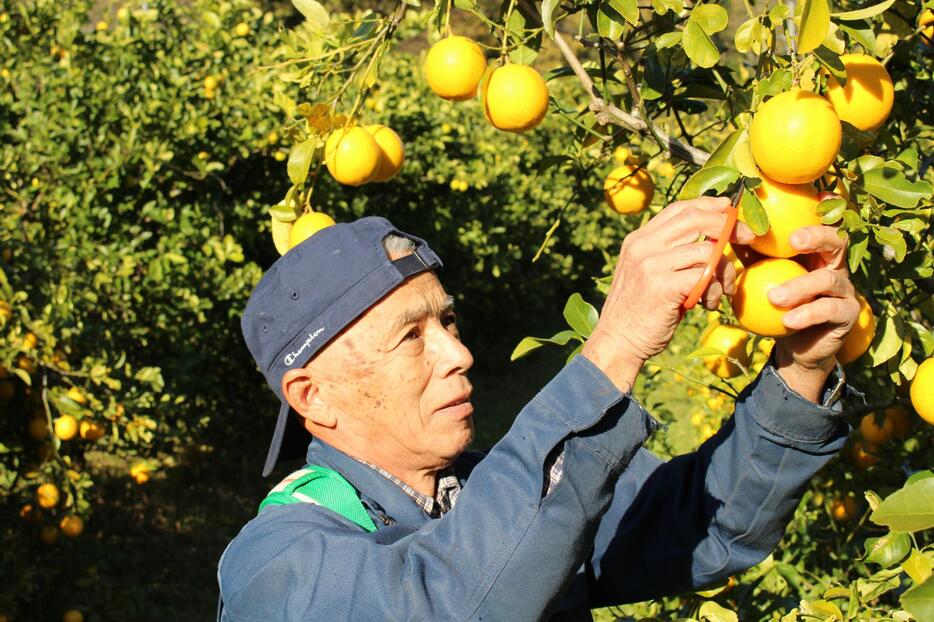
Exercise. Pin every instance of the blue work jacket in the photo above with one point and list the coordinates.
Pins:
(620, 526)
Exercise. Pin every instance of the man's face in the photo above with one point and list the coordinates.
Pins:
(396, 379)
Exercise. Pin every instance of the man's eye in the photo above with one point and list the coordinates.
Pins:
(449, 320)
(413, 334)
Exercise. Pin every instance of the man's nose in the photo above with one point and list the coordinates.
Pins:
(453, 355)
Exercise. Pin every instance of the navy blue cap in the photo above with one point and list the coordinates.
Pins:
(310, 295)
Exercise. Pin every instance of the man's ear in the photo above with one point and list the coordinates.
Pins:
(303, 394)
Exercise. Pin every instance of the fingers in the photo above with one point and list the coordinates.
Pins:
(687, 256)
(697, 221)
(821, 282)
(821, 239)
(675, 209)
(834, 311)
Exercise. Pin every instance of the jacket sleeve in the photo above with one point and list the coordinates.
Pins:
(694, 520)
(503, 548)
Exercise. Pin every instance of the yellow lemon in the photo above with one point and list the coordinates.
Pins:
(795, 136)
(6, 311)
(866, 99)
(927, 17)
(392, 151)
(242, 29)
(30, 341)
(861, 334)
(628, 189)
(307, 225)
(515, 98)
(66, 427)
(90, 430)
(730, 254)
(922, 391)
(895, 424)
(844, 509)
(753, 310)
(454, 67)
(731, 340)
(210, 83)
(47, 495)
(73, 615)
(864, 455)
(77, 396)
(788, 207)
(71, 526)
(352, 156)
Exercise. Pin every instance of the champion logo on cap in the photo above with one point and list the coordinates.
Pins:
(291, 356)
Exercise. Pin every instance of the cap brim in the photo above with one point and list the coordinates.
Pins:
(290, 439)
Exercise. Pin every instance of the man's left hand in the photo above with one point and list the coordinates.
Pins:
(823, 310)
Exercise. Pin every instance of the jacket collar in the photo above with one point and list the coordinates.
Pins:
(375, 490)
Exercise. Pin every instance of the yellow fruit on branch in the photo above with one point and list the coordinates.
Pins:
(922, 391)
(454, 67)
(866, 99)
(91, 430)
(352, 156)
(29, 341)
(6, 311)
(73, 615)
(864, 455)
(844, 509)
(26, 364)
(66, 427)
(210, 83)
(47, 495)
(861, 335)
(140, 472)
(30, 513)
(924, 18)
(71, 526)
(307, 225)
(514, 98)
(628, 189)
(392, 152)
(753, 310)
(731, 340)
(788, 207)
(795, 136)
(75, 394)
(894, 424)
(730, 254)
(242, 29)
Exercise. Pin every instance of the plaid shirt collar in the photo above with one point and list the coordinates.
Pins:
(449, 487)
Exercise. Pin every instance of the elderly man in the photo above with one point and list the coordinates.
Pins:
(357, 337)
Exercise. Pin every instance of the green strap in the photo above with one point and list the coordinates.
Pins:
(324, 487)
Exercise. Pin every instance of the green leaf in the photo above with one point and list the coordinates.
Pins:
(815, 24)
(625, 10)
(917, 476)
(712, 18)
(668, 40)
(831, 210)
(864, 13)
(609, 27)
(909, 509)
(778, 82)
(822, 609)
(300, 160)
(919, 600)
(316, 14)
(280, 212)
(706, 352)
(717, 178)
(778, 12)
(888, 340)
(865, 36)
(752, 36)
(23, 375)
(580, 315)
(830, 61)
(918, 566)
(889, 549)
(711, 611)
(526, 49)
(753, 214)
(574, 353)
(722, 154)
(894, 239)
(698, 45)
(529, 344)
(663, 6)
(891, 185)
(548, 20)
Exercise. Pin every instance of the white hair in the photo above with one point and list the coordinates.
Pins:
(397, 246)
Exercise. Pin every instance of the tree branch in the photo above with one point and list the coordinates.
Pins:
(608, 113)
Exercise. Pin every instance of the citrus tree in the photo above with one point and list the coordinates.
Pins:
(804, 112)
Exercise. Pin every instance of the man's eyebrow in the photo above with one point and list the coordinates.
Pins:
(416, 313)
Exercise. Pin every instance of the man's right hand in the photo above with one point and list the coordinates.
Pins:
(658, 266)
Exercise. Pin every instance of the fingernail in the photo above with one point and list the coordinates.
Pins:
(789, 318)
(799, 239)
(744, 233)
(777, 295)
